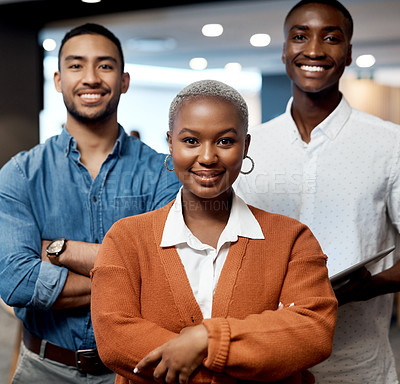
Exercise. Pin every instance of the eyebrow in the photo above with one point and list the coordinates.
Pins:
(298, 26)
(193, 132)
(333, 29)
(306, 28)
(99, 58)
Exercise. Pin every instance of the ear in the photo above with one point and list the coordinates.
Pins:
(169, 138)
(349, 57)
(283, 57)
(57, 81)
(125, 81)
(246, 145)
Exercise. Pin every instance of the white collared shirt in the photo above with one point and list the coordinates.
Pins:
(345, 185)
(203, 263)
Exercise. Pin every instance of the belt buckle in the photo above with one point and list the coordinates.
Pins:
(88, 361)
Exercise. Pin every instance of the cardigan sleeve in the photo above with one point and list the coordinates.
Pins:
(276, 344)
(123, 336)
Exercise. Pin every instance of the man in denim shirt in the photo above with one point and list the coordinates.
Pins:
(72, 189)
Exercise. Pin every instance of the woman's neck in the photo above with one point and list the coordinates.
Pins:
(206, 218)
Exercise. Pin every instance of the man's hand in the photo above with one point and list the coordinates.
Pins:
(361, 286)
(178, 358)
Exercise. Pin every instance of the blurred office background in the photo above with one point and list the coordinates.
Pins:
(166, 47)
(162, 42)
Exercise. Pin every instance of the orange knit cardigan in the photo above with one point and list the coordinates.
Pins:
(141, 298)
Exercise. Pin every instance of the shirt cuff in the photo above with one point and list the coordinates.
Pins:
(48, 286)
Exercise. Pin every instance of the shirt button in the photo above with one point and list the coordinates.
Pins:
(94, 198)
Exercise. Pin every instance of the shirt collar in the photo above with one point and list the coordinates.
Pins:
(331, 126)
(68, 142)
(241, 222)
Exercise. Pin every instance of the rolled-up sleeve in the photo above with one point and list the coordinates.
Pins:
(49, 284)
(25, 281)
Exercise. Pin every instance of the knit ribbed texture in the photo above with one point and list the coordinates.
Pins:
(220, 335)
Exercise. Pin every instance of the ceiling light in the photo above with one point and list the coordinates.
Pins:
(91, 1)
(198, 63)
(49, 45)
(233, 67)
(260, 40)
(365, 61)
(212, 30)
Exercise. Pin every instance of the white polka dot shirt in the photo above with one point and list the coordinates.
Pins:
(345, 185)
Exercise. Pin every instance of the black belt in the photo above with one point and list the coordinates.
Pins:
(85, 360)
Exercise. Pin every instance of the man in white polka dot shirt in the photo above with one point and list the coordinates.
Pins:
(337, 170)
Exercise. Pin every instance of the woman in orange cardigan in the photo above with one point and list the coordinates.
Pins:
(208, 289)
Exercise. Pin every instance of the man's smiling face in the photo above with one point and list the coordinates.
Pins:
(90, 77)
(317, 47)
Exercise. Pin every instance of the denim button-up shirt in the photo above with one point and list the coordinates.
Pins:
(47, 193)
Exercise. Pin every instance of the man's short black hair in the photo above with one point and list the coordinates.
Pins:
(92, 29)
(333, 3)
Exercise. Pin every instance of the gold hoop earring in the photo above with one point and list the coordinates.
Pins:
(252, 166)
(166, 165)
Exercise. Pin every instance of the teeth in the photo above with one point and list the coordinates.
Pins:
(206, 177)
(312, 68)
(90, 96)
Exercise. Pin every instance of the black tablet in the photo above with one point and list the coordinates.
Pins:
(338, 277)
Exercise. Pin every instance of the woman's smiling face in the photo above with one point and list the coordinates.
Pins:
(208, 143)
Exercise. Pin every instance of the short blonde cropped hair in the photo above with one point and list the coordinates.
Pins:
(210, 88)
